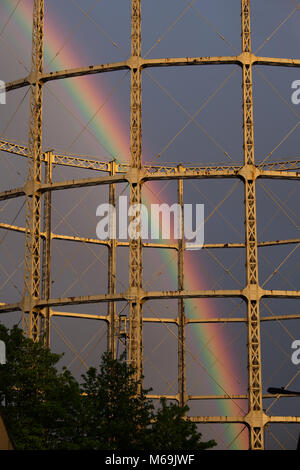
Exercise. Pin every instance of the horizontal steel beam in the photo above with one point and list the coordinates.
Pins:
(171, 246)
(116, 66)
(85, 71)
(14, 148)
(159, 295)
(12, 193)
(84, 316)
(281, 317)
(280, 174)
(272, 61)
(231, 397)
(139, 62)
(242, 419)
(188, 321)
(217, 419)
(86, 182)
(7, 308)
(284, 419)
(16, 84)
(123, 178)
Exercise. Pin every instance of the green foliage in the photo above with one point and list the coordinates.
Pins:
(115, 415)
(170, 431)
(38, 403)
(45, 409)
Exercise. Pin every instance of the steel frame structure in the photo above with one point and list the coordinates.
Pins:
(37, 304)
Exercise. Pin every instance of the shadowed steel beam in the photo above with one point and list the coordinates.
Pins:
(272, 61)
(12, 193)
(7, 308)
(16, 84)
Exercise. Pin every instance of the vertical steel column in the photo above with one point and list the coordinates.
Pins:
(31, 316)
(135, 245)
(46, 250)
(112, 272)
(255, 417)
(181, 311)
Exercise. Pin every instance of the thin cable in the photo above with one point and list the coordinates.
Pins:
(280, 265)
(275, 439)
(182, 14)
(67, 342)
(99, 28)
(9, 18)
(285, 278)
(98, 332)
(214, 28)
(279, 204)
(75, 29)
(276, 30)
(190, 117)
(14, 114)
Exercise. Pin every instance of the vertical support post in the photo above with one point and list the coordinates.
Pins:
(112, 272)
(181, 310)
(31, 315)
(255, 413)
(46, 250)
(135, 245)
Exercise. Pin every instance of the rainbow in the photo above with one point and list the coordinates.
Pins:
(109, 130)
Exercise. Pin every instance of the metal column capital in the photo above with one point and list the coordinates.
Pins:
(253, 292)
(249, 172)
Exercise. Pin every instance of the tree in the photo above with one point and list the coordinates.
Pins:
(170, 431)
(115, 413)
(38, 403)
